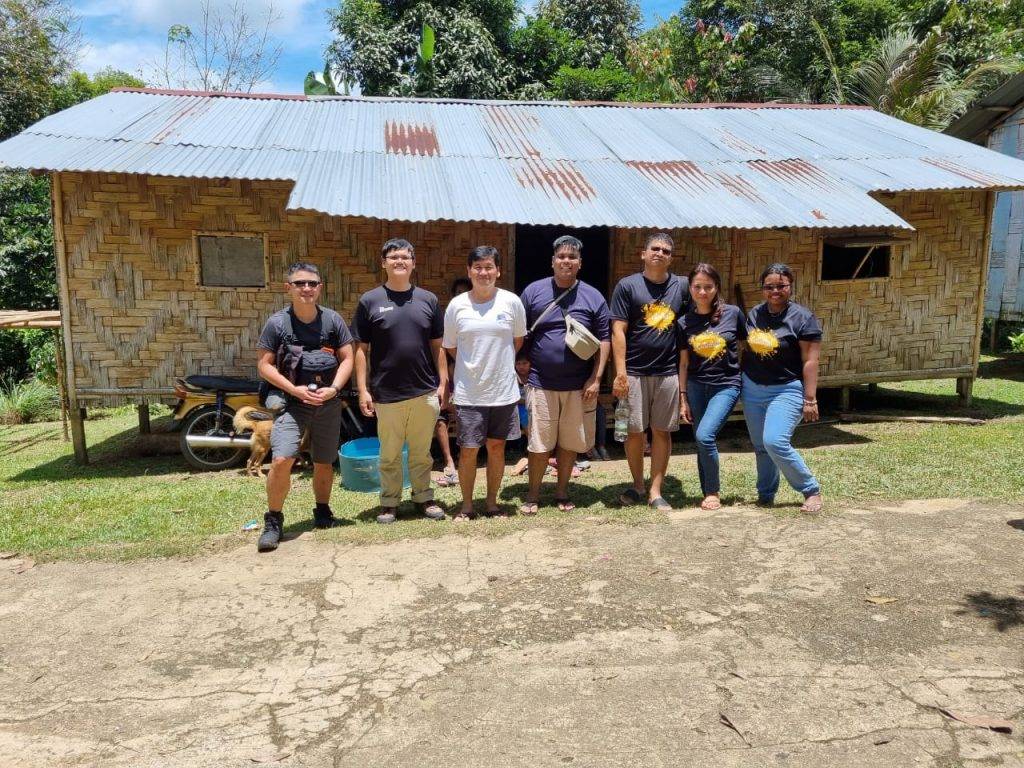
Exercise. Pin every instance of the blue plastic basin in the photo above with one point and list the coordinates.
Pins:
(360, 465)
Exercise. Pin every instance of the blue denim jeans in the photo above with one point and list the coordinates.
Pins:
(710, 406)
(772, 412)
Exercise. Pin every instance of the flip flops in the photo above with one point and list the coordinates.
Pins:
(448, 479)
(813, 507)
(529, 508)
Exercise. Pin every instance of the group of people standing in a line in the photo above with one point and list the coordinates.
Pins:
(679, 352)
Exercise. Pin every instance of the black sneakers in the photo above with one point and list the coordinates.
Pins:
(273, 522)
(324, 518)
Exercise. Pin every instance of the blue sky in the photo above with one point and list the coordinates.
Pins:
(130, 34)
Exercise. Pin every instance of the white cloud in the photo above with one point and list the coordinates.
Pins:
(136, 57)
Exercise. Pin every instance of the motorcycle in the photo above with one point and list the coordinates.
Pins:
(205, 410)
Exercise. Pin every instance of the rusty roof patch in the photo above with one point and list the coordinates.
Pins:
(800, 171)
(739, 187)
(559, 176)
(978, 177)
(410, 139)
(683, 174)
(509, 130)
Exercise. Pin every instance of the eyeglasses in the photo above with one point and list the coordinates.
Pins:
(660, 249)
(305, 283)
(776, 287)
(398, 257)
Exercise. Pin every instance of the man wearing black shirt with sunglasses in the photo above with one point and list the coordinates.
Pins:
(308, 405)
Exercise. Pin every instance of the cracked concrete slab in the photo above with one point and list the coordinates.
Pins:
(733, 638)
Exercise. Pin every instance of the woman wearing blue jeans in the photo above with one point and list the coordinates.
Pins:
(780, 383)
(709, 334)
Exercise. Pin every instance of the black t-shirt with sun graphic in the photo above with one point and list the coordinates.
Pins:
(714, 354)
(650, 311)
(773, 343)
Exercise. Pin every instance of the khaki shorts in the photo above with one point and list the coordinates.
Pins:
(559, 418)
(654, 403)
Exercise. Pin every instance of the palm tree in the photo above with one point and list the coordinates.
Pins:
(912, 79)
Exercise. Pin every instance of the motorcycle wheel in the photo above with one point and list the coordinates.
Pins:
(203, 421)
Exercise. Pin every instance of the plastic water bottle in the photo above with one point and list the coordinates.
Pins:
(621, 420)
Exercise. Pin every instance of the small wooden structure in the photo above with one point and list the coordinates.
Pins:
(166, 271)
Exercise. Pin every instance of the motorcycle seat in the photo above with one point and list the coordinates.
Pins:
(222, 384)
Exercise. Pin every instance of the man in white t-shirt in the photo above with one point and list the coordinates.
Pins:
(484, 328)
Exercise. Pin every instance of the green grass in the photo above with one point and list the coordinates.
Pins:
(138, 498)
(27, 401)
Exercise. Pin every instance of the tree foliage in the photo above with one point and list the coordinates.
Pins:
(679, 61)
(602, 28)
(37, 44)
(975, 30)
(610, 81)
(79, 87)
(377, 45)
(27, 278)
(915, 80)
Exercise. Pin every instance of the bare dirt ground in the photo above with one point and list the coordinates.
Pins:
(736, 638)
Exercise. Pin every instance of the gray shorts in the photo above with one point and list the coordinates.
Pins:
(653, 402)
(479, 423)
(323, 423)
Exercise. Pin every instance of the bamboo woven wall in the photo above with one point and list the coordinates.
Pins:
(923, 319)
(139, 317)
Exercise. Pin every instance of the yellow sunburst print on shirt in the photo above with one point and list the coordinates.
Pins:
(658, 316)
(762, 343)
(708, 345)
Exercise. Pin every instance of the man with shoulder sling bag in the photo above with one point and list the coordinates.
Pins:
(569, 344)
(306, 356)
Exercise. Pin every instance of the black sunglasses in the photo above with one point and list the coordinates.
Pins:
(305, 283)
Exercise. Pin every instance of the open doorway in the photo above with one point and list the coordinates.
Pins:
(533, 254)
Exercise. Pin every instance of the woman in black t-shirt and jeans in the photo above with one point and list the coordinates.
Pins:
(710, 335)
(780, 384)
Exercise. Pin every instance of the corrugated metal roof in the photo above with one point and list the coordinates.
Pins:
(743, 166)
(983, 116)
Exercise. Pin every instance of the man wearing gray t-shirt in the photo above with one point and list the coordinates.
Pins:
(313, 406)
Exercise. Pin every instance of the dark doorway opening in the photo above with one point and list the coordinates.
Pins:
(533, 254)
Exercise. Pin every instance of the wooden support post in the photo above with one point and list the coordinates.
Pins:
(76, 414)
(78, 435)
(965, 388)
(144, 428)
(993, 336)
(844, 399)
(62, 387)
